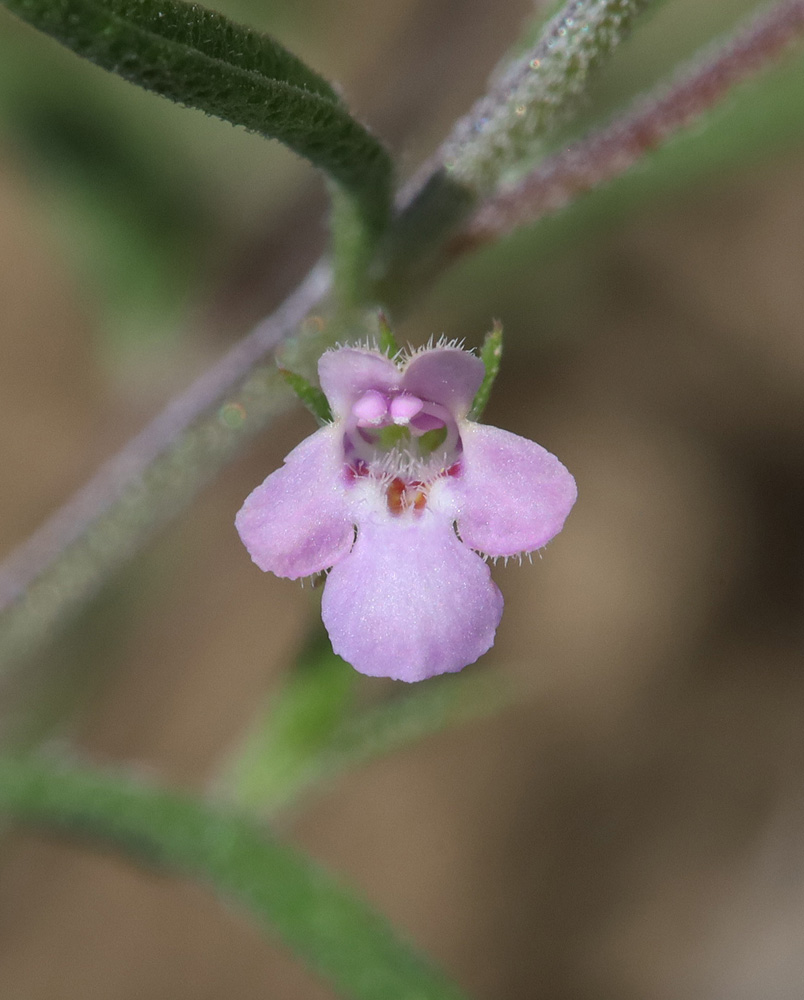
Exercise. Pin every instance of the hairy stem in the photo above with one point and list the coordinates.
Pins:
(503, 129)
(528, 97)
(154, 476)
(609, 152)
(333, 931)
(159, 472)
(276, 768)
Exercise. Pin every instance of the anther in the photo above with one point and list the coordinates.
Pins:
(405, 407)
(371, 409)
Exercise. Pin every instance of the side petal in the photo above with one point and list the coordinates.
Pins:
(410, 601)
(445, 375)
(347, 372)
(297, 522)
(510, 496)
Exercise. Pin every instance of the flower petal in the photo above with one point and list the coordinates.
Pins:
(297, 522)
(348, 372)
(510, 496)
(410, 601)
(445, 375)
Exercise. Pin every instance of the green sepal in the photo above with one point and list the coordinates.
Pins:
(430, 440)
(391, 436)
(312, 397)
(491, 356)
(385, 336)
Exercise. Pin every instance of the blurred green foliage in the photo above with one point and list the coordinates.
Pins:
(126, 202)
(337, 934)
(149, 200)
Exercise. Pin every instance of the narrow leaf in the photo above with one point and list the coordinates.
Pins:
(312, 397)
(491, 355)
(385, 336)
(200, 59)
(328, 927)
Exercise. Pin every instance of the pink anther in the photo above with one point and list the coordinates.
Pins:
(371, 409)
(405, 407)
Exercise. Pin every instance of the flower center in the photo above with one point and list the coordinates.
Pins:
(402, 496)
(403, 441)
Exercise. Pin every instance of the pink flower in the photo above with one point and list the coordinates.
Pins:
(394, 495)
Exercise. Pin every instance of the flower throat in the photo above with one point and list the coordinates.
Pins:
(403, 440)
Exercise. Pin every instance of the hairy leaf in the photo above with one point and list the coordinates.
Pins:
(201, 59)
(312, 397)
(329, 927)
(491, 355)
(385, 337)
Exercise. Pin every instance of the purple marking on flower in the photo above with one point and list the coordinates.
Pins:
(394, 497)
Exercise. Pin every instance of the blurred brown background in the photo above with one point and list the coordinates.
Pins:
(634, 827)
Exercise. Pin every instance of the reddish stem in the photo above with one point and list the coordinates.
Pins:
(125, 472)
(606, 153)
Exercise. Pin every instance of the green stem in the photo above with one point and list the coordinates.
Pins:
(354, 239)
(334, 932)
(283, 760)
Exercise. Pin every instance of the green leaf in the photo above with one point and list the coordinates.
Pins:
(201, 59)
(332, 930)
(491, 355)
(312, 397)
(404, 719)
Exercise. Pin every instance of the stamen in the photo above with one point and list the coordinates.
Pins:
(395, 495)
(402, 496)
(405, 407)
(371, 409)
(400, 436)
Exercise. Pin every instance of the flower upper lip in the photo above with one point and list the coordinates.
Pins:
(446, 375)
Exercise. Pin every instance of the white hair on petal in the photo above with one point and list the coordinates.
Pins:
(432, 344)
(403, 463)
(368, 344)
(405, 354)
